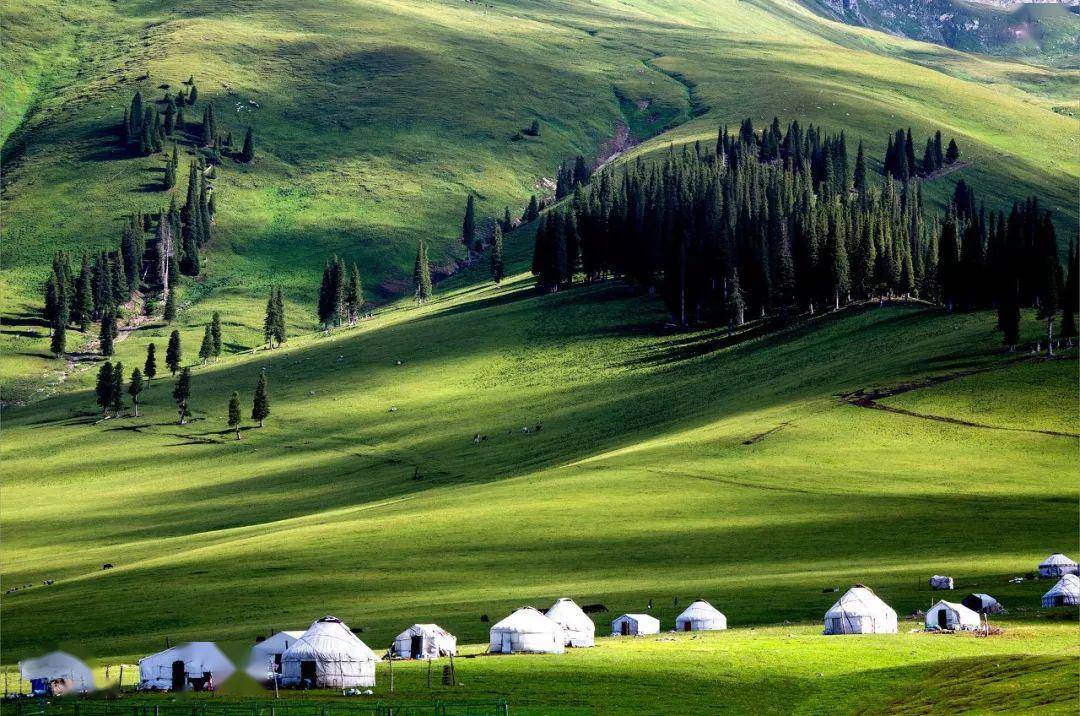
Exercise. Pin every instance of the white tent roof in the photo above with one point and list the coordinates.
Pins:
(700, 610)
(1068, 585)
(527, 620)
(641, 619)
(263, 652)
(859, 601)
(579, 628)
(965, 616)
(431, 630)
(58, 665)
(199, 657)
(1057, 559)
(328, 639)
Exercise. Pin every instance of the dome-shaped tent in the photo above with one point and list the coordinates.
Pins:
(947, 615)
(1057, 565)
(198, 665)
(982, 604)
(1065, 593)
(635, 624)
(328, 656)
(860, 611)
(265, 658)
(580, 630)
(527, 630)
(424, 641)
(700, 616)
(57, 673)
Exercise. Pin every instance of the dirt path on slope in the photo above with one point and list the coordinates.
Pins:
(870, 399)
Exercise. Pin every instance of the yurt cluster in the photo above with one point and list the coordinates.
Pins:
(329, 655)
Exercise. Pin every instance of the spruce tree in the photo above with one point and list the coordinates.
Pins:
(193, 94)
(939, 156)
(182, 393)
(354, 295)
(468, 225)
(279, 317)
(269, 320)
(170, 306)
(83, 309)
(952, 153)
(108, 332)
(735, 304)
(215, 334)
(118, 388)
(206, 349)
(104, 388)
(497, 272)
(209, 125)
(134, 388)
(247, 154)
(507, 222)
(1070, 297)
(51, 300)
(421, 275)
(260, 409)
(173, 353)
(150, 366)
(234, 413)
(58, 343)
(1008, 310)
(860, 171)
(1049, 273)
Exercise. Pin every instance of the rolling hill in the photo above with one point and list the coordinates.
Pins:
(498, 447)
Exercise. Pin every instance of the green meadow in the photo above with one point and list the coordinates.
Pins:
(618, 462)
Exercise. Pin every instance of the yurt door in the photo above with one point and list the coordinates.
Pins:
(626, 628)
(687, 625)
(507, 643)
(179, 680)
(308, 672)
(943, 618)
(416, 646)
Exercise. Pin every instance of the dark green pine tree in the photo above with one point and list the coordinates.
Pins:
(279, 317)
(135, 115)
(83, 308)
(170, 117)
(247, 154)
(234, 413)
(118, 388)
(108, 332)
(326, 309)
(838, 258)
(206, 349)
(468, 225)
(354, 295)
(169, 179)
(507, 222)
(260, 408)
(952, 153)
(193, 94)
(104, 388)
(1008, 309)
(52, 300)
(209, 125)
(532, 211)
(939, 156)
(497, 271)
(1048, 276)
(269, 320)
(1069, 299)
(170, 306)
(928, 157)
(734, 303)
(135, 387)
(173, 353)
(860, 171)
(182, 393)
(150, 365)
(58, 342)
(421, 275)
(215, 334)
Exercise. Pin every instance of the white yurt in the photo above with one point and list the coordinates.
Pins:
(860, 611)
(328, 656)
(580, 630)
(948, 615)
(700, 616)
(1057, 565)
(982, 603)
(635, 624)
(265, 658)
(424, 641)
(940, 581)
(57, 673)
(1065, 593)
(527, 630)
(198, 665)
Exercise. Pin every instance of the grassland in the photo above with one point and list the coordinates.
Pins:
(375, 119)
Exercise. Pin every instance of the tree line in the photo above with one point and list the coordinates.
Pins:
(774, 222)
(900, 161)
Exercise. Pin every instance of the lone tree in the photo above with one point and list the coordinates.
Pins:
(468, 224)
(279, 317)
(215, 334)
(497, 270)
(134, 388)
(104, 387)
(170, 305)
(270, 319)
(181, 393)
(206, 349)
(173, 354)
(234, 413)
(248, 152)
(260, 409)
(150, 366)
(421, 275)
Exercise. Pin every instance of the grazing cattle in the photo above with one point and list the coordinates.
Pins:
(484, 619)
(597, 608)
(106, 566)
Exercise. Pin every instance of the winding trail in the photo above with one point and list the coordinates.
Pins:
(864, 399)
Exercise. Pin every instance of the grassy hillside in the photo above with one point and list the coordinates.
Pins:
(375, 119)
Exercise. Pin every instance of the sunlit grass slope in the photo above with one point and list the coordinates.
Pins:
(375, 119)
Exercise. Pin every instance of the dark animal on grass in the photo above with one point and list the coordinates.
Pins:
(106, 566)
(483, 618)
(594, 608)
